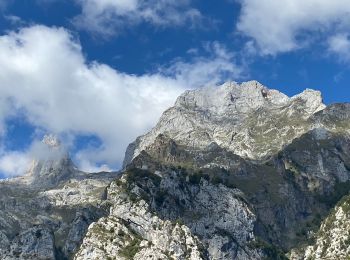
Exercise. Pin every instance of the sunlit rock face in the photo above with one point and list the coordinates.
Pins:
(243, 118)
(236, 171)
(168, 216)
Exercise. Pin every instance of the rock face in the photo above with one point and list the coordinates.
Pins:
(132, 231)
(243, 118)
(167, 214)
(237, 171)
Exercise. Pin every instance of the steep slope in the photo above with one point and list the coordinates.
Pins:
(332, 241)
(45, 213)
(213, 218)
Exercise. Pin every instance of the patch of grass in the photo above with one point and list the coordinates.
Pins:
(136, 175)
(271, 252)
(130, 250)
(160, 197)
(179, 221)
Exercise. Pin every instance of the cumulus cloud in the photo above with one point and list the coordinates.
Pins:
(339, 45)
(45, 77)
(109, 17)
(282, 26)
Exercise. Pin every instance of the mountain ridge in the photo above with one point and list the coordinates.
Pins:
(236, 171)
(227, 123)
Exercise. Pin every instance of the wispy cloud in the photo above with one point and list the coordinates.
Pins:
(14, 20)
(110, 17)
(339, 44)
(219, 64)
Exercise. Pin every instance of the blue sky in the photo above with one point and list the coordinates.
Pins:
(98, 73)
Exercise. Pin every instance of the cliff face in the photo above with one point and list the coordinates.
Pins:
(170, 216)
(237, 171)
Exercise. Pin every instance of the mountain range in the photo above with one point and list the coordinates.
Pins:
(236, 171)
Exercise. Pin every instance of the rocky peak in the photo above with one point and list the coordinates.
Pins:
(50, 165)
(313, 100)
(45, 213)
(51, 140)
(248, 119)
(231, 97)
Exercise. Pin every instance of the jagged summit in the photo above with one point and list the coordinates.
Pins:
(232, 97)
(313, 100)
(51, 140)
(50, 165)
(248, 118)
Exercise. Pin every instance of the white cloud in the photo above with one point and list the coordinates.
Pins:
(339, 45)
(86, 166)
(14, 164)
(206, 70)
(282, 26)
(109, 17)
(14, 20)
(45, 77)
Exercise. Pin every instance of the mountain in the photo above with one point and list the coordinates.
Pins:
(52, 166)
(236, 171)
(244, 119)
(249, 171)
(45, 213)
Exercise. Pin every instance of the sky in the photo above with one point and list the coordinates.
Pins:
(99, 73)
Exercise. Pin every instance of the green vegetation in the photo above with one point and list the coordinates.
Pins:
(160, 197)
(339, 191)
(136, 175)
(271, 252)
(134, 239)
(121, 233)
(195, 178)
(179, 222)
(131, 249)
